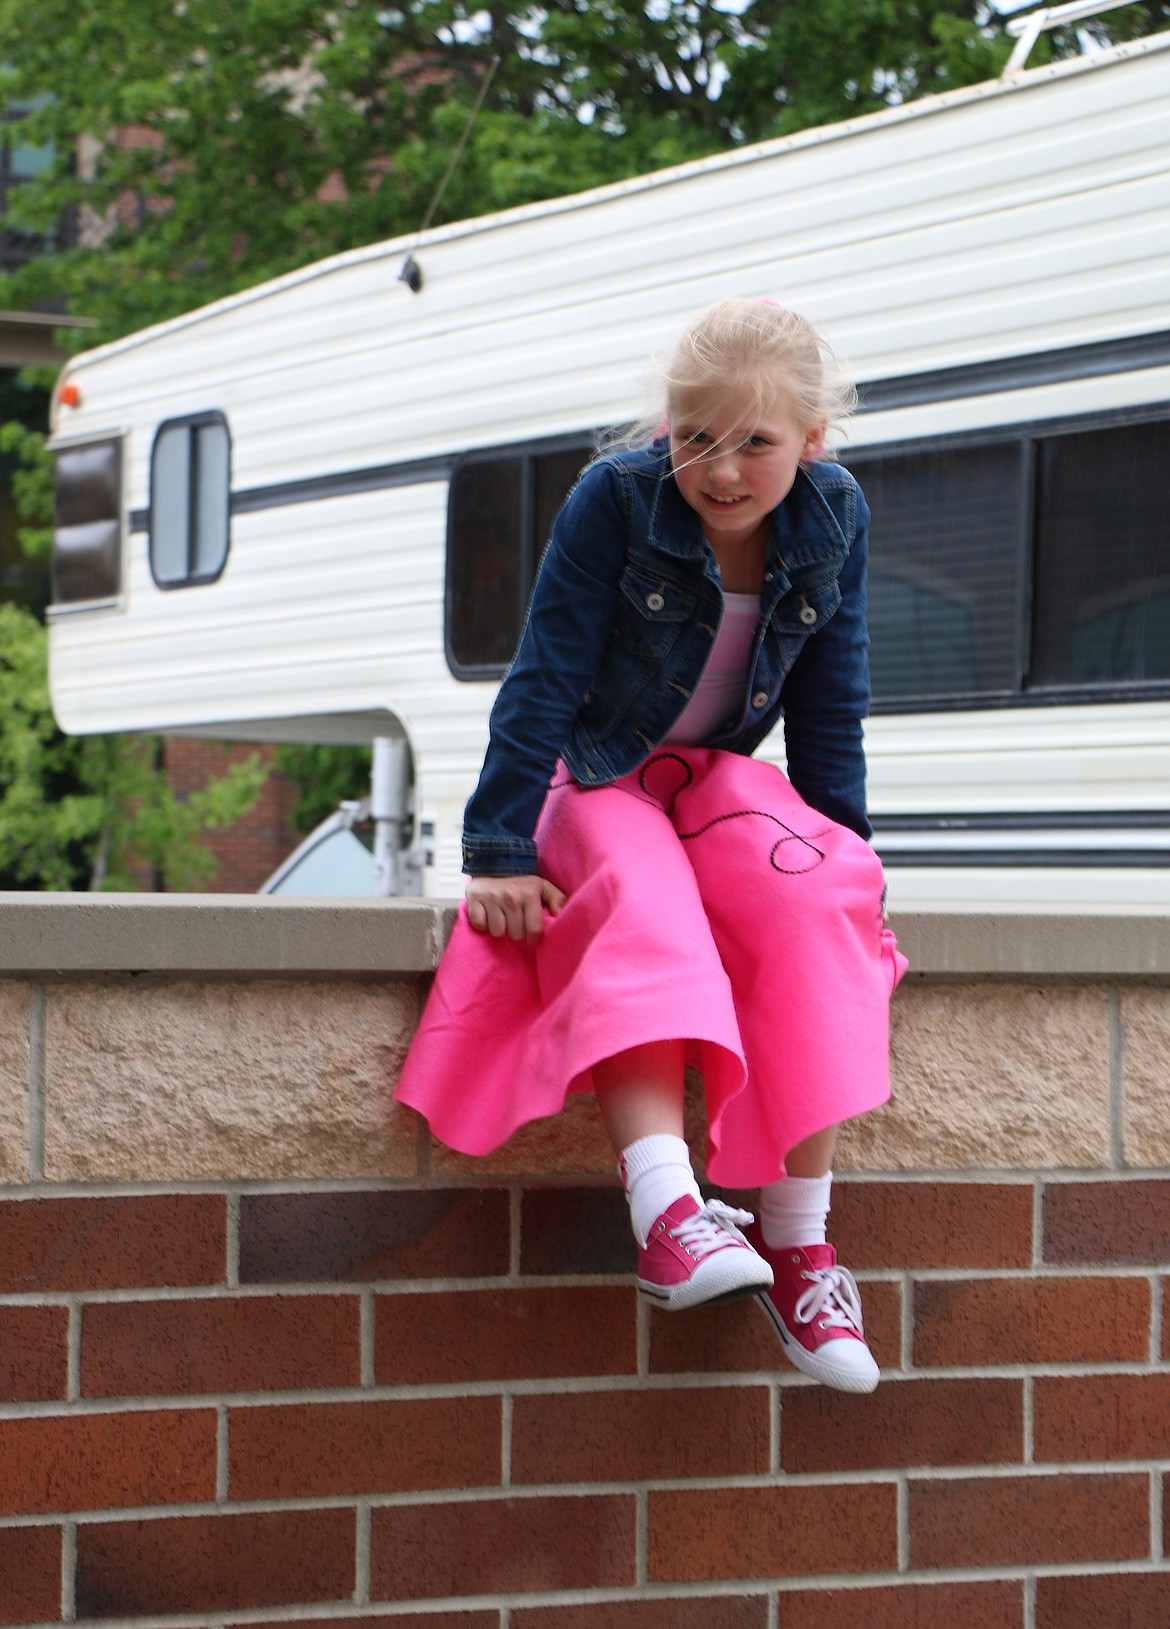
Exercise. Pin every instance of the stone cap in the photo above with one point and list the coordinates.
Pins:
(261, 934)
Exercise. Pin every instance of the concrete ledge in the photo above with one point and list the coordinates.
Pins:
(1023, 942)
(244, 933)
(218, 933)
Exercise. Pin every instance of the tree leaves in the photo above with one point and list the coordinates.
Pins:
(207, 144)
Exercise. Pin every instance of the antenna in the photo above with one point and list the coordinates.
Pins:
(410, 272)
(1028, 29)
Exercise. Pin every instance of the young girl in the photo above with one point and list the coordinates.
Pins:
(644, 893)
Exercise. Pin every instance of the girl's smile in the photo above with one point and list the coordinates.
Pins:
(732, 474)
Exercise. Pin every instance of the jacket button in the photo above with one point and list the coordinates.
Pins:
(655, 601)
(760, 699)
(807, 615)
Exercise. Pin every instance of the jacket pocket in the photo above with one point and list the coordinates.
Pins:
(807, 607)
(650, 613)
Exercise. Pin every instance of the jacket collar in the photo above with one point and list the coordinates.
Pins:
(805, 530)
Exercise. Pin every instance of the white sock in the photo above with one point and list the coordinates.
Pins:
(656, 1171)
(794, 1210)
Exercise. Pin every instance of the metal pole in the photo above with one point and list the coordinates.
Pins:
(388, 806)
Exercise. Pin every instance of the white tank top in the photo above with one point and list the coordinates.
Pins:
(719, 695)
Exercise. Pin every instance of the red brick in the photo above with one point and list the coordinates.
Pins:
(220, 1344)
(408, 1620)
(1028, 1520)
(111, 1244)
(30, 1574)
(576, 1230)
(1102, 1416)
(308, 1237)
(317, 1449)
(214, 1563)
(739, 1339)
(772, 1532)
(479, 1547)
(905, 1422)
(1111, 1223)
(998, 1605)
(640, 1435)
(696, 1612)
(250, 849)
(93, 1461)
(932, 1224)
(457, 1336)
(1031, 1320)
(34, 1358)
(1120, 1600)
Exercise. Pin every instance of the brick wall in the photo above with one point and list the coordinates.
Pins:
(268, 1354)
(233, 1399)
(250, 849)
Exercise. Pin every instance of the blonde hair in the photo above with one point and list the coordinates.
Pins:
(748, 357)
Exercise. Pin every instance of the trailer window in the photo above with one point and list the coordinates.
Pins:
(1028, 564)
(190, 498)
(1102, 595)
(87, 522)
(485, 590)
(946, 569)
(500, 508)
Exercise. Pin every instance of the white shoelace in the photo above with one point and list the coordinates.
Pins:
(833, 1292)
(707, 1230)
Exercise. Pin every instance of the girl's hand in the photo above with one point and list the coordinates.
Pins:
(512, 905)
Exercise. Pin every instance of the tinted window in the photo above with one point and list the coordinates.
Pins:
(87, 522)
(190, 496)
(947, 562)
(500, 510)
(485, 527)
(1102, 579)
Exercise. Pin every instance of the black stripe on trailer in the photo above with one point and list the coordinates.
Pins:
(1071, 844)
(1128, 355)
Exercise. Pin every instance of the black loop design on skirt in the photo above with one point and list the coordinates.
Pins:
(806, 851)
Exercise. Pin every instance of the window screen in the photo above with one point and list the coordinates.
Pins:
(500, 510)
(946, 569)
(1102, 578)
(87, 522)
(190, 495)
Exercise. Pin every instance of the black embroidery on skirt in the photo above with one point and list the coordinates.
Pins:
(688, 776)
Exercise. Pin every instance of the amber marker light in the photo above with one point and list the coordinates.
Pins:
(70, 395)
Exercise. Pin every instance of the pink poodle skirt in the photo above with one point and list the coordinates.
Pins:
(706, 902)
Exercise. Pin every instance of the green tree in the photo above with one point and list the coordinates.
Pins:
(324, 777)
(203, 145)
(93, 811)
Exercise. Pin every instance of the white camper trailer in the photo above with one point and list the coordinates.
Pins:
(312, 511)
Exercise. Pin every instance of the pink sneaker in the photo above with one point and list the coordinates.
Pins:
(695, 1255)
(816, 1308)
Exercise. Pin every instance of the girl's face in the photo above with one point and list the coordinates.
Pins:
(733, 474)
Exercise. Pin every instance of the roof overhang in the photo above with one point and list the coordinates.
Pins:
(28, 339)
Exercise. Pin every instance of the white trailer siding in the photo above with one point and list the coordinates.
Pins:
(1006, 221)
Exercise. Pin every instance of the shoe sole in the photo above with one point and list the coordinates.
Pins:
(804, 1360)
(720, 1283)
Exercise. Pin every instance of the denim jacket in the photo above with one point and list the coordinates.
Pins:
(621, 622)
